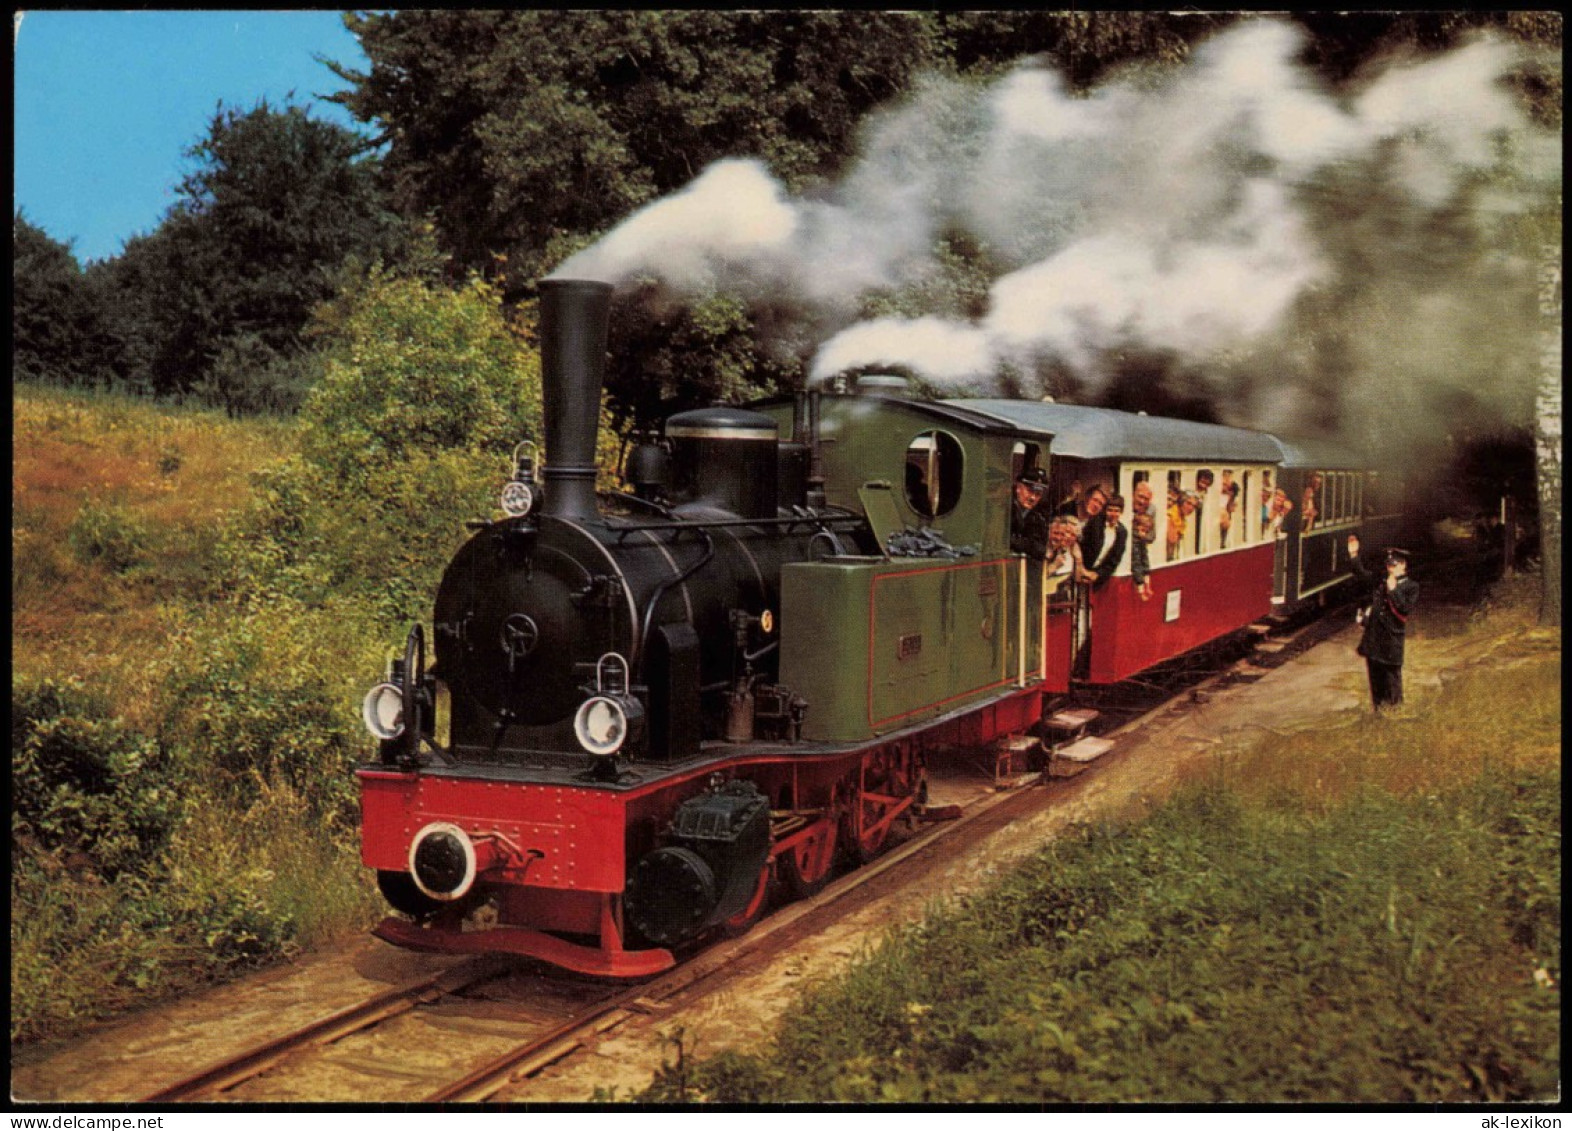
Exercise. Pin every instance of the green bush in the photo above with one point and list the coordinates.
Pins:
(250, 376)
(82, 784)
(235, 887)
(410, 368)
(423, 394)
(109, 534)
(270, 695)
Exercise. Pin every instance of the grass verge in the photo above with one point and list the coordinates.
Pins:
(1367, 914)
(181, 801)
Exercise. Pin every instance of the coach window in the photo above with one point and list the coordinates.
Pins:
(1201, 535)
(1227, 506)
(1242, 534)
(1242, 527)
(1261, 506)
(933, 473)
(1176, 536)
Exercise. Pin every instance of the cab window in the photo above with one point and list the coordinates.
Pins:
(933, 473)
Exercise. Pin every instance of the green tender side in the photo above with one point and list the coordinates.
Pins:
(876, 645)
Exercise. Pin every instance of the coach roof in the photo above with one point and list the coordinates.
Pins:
(1082, 432)
(1319, 455)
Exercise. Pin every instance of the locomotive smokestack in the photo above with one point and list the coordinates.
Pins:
(573, 320)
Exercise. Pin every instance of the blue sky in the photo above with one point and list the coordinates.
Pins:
(107, 103)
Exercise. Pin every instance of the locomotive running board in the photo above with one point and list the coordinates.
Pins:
(530, 944)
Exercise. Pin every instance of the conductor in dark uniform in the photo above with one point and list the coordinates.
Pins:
(1029, 514)
(1391, 600)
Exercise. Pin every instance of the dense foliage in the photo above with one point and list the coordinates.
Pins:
(526, 132)
(180, 801)
(54, 321)
(423, 392)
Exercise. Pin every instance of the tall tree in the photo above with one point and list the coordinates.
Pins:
(54, 326)
(217, 298)
(525, 133)
(1083, 44)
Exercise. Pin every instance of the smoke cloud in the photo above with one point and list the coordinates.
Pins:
(1308, 258)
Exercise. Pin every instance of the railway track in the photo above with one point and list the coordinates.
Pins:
(604, 1013)
(544, 1041)
(216, 1079)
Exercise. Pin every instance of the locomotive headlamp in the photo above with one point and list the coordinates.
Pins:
(609, 718)
(604, 722)
(517, 499)
(383, 711)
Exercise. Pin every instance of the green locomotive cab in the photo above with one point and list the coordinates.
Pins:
(941, 621)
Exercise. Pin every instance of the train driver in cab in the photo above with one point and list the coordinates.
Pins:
(1030, 514)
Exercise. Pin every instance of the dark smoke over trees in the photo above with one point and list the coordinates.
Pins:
(526, 135)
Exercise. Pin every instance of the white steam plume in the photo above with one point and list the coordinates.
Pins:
(1234, 214)
(732, 215)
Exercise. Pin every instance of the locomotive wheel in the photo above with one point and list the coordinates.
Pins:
(859, 848)
(742, 922)
(871, 841)
(805, 869)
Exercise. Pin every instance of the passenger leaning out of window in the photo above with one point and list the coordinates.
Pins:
(1064, 558)
(1104, 539)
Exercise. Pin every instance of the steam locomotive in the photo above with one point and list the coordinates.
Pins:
(728, 682)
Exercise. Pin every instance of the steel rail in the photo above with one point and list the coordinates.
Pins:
(253, 1062)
